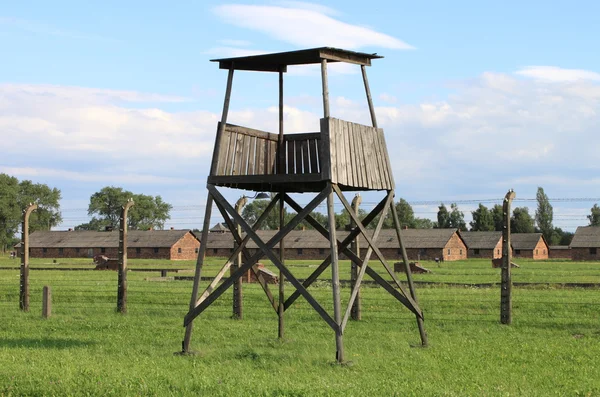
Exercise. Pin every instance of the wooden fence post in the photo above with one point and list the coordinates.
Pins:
(506, 280)
(355, 312)
(47, 302)
(24, 287)
(122, 288)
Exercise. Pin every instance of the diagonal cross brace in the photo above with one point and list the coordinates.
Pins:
(375, 248)
(266, 248)
(364, 264)
(242, 244)
(342, 246)
(237, 250)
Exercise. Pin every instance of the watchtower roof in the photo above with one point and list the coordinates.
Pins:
(273, 62)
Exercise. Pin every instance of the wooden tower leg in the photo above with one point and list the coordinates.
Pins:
(355, 247)
(198, 274)
(281, 307)
(335, 280)
(411, 286)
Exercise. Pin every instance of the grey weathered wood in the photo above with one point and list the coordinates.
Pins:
(272, 158)
(355, 247)
(364, 264)
(223, 151)
(342, 245)
(378, 253)
(46, 302)
(252, 132)
(333, 137)
(236, 233)
(239, 149)
(122, 283)
(313, 152)
(281, 300)
(335, 279)
(368, 92)
(349, 155)
(305, 157)
(360, 158)
(24, 273)
(221, 126)
(281, 138)
(303, 136)
(411, 286)
(506, 277)
(353, 156)
(325, 85)
(185, 345)
(298, 155)
(266, 249)
(324, 150)
(261, 146)
(380, 161)
(291, 158)
(245, 156)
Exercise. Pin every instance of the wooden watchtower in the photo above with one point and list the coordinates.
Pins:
(342, 156)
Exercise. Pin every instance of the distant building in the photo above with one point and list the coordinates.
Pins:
(420, 244)
(559, 252)
(483, 244)
(585, 245)
(146, 244)
(529, 245)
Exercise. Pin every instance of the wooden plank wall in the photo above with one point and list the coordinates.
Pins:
(246, 151)
(358, 155)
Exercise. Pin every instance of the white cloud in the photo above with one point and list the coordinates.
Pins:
(556, 74)
(305, 26)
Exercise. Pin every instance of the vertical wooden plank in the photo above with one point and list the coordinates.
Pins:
(239, 148)
(379, 160)
(340, 156)
(389, 179)
(272, 156)
(298, 154)
(313, 148)
(324, 150)
(245, 155)
(348, 152)
(333, 148)
(228, 167)
(305, 156)
(223, 148)
(368, 156)
(280, 142)
(252, 157)
(325, 88)
(47, 302)
(260, 156)
(353, 155)
(291, 158)
(360, 159)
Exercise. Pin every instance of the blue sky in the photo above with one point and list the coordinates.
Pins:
(475, 97)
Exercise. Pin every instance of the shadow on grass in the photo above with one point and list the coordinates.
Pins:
(44, 343)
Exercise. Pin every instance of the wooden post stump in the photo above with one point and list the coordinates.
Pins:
(47, 302)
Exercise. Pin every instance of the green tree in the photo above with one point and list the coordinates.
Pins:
(15, 196)
(594, 216)
(9, 210)
(498, 217)
(560, 237)
(342, 219)
(483, 220)
(148, 211)
(443, 218)
(521, 221)
(544, 214)
(254, 209)
(457, 218)
(423, 223)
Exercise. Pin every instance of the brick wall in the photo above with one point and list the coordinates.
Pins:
(186, 248)
(540, 251)
(455, 249)
(585, 254)
(559, 254)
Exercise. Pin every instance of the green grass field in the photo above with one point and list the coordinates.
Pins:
(86, 348)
